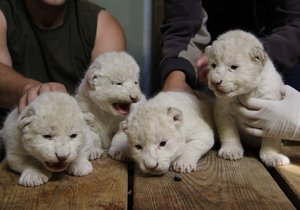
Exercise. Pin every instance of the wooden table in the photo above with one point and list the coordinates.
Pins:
(217, 184)
(105, 188)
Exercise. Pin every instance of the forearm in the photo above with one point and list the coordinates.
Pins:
(12, 86)
(184, 35)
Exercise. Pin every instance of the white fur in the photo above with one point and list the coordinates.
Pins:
(239, 66)
(173, 129)
(46, 137)
(111, 80)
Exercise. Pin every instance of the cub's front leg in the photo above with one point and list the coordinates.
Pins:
(119, 147)
(196, 146)
(94, 141)
(81, 166)
(32, 172)
(92, 137)
(231, 147)
(269, 153)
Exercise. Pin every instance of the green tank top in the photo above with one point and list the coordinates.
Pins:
(59, 55)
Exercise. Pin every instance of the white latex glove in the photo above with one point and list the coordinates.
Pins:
(271, 118)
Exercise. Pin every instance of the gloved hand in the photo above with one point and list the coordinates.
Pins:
(271, 118)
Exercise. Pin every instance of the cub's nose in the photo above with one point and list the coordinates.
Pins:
(134, 98)
(152, 167)
(216, 79)
(216, 83)
(61, 158)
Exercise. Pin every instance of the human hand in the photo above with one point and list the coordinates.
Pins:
(32, 91)
(176, 82)
(270, 118)
(202, 66)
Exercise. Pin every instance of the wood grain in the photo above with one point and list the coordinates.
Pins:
(288, 176)
(217, 184)
(105, 188)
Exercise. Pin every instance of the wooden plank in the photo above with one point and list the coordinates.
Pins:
(105, 188)
(288, 176)
(217, 184)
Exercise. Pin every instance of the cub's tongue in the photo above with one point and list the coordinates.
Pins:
(57, 167)
(122, 108)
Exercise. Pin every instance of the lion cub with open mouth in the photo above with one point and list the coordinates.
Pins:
(46, 137)
(109, 91)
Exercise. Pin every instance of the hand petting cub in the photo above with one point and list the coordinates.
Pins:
(171, 130)
(46, 137)
(108, 91)
(239, 66)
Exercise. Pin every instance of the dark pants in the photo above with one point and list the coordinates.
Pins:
(292, 77)
(3, 114)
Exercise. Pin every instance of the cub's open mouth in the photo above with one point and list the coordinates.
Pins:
(56, 167)
(122, 108)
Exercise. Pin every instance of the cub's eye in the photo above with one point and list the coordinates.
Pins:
(233, 67)
(139, 147)
(213, 65)
(47, 136)
(136, 83)
(73, 136)
(162, 143)
(117, 83)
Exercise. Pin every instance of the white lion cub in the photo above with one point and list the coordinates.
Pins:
(46, 137)
(171, 130)
(239, 65)
(107, 91)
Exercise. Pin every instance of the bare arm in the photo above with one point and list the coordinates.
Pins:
(16, 89)
(184, 35)
(11, 83)
(110, 35)
(176, 81)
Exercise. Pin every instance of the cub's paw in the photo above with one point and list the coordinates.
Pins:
(80, 168)
(95, 153)
(231, 152)
(184, 165)
(119, 147)
(31, 178)
(118, 155)
(273, 159)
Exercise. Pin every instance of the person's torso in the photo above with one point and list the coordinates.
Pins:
(256, 16)
(61, 54)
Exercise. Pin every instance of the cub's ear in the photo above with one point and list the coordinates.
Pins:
(124, 126)
(26, 118)
(259, 55)
(93, 76)
(88, 118)
(176, 115)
